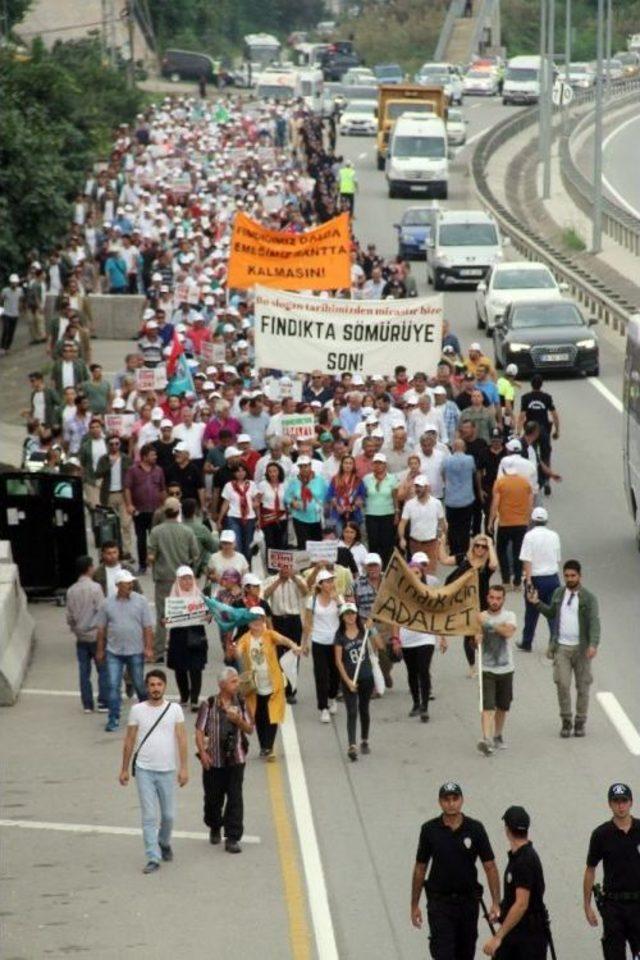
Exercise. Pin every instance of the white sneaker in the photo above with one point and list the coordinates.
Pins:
(324, 716)
(333, 707)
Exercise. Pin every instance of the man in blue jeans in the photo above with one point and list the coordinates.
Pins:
(125, 637)
(156, 730)
(541, 555)
(84, 600)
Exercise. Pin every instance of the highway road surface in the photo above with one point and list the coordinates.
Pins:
(620, 173)
(325, 871)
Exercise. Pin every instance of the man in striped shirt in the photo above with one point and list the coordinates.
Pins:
(222, 726)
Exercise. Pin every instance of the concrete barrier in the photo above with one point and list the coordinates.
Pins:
(17, 629)
(116, 317)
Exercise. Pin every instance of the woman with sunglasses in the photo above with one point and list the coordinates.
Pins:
(480, 556)
(347, 647)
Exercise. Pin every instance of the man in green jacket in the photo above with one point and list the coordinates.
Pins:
(575, 635)
(207, 541)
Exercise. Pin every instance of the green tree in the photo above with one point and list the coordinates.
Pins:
(58, 110)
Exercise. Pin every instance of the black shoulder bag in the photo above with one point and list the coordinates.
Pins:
(145, 738)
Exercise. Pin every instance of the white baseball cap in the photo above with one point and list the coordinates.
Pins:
(514, 446)
(166, 423)
(475, 346)
(227, 536)
(325, 575)
(250, 580)
(511, 370)
(181, 448)
(157, 413)
(539, 515)
(118, 403)
(257, 611)
(421, 480)
(419, 557)
(373, 558)
(232, 452)
(124, 576)
(379, 458)
(243, 438)
(303, 461)
(184, 571)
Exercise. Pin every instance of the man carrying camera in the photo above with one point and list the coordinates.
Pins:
(222, 726)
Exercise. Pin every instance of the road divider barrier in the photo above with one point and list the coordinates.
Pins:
(598, 299)
(17, 629)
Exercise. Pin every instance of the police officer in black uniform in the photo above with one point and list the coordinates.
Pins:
(452, 843)
(523, 933)
(617, 844)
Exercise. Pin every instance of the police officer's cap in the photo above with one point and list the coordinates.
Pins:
(517, 819)
(450, 789)
(620, 791)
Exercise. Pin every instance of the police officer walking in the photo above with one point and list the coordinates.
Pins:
(451, 844)
(523, 933)
(617, 844)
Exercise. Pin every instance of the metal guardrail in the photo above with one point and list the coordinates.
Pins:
(598, 299)
(617, 223)
(456, 9)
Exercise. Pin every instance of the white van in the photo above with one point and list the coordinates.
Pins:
(417, 157)
(278, 85)
(521, 80)
(311, 88)
(463, 247)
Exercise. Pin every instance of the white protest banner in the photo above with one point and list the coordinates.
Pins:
(151, 378)
(346, 336)
(280, 389)
(211, 352)
(296, 559)
(322, 551)
(299, 426)
(183, 612)
(289, 666)
(119, 424)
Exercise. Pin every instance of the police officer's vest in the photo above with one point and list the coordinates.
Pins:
(347, 180)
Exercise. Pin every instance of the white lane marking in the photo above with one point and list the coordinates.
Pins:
(598, 385)
(628, 733)
(605, 143)
(363, 155)
(110, 831)
(308, 841)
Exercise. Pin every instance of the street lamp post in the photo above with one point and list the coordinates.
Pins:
(596, 235)
(608, 46)
(546, 169)
(542, 112)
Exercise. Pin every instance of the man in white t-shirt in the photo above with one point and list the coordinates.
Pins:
(425, 514)
(498, 627)
(540, 554)
(157, 732)
(190, 433)
(514, 462)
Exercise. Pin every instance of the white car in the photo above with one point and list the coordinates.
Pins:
(360, 76)
(480, 83)
(581, 76)
(440, 75)
(359, 118)
(456, 128)
(511, 282)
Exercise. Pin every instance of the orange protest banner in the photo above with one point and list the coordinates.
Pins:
(317, 259)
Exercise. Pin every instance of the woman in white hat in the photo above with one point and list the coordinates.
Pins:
(257, 653)
(321, 622)
(188, 647)
(347, 646)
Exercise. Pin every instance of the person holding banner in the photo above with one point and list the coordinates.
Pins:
(272, 511)
(351, 651)
(257, 651)
(286, 592)
(480, 556)
(188, 647)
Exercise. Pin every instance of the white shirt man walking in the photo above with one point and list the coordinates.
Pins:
(540, 554)
(156, 730)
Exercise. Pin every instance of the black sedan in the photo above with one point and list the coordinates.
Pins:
(546, 335)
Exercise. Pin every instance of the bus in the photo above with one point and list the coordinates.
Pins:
(260, 49)
(631, 436)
